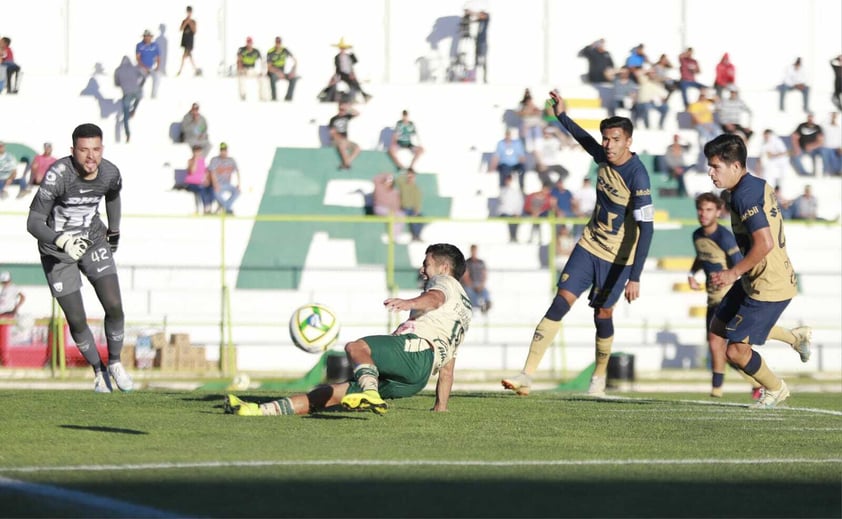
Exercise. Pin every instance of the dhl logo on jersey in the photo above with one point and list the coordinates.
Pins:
(748, 214)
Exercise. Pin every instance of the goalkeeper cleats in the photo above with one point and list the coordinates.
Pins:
(803, 336)
(102, 384)
(234, 405)
(123, 380)
(772, 399)
(519, 384)
(366, 401)
(597, 387)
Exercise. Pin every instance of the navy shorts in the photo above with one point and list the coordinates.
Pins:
(748, 320)
(606, 280)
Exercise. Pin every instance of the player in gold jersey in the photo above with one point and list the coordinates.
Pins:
(767, 280)
(717, 250)
(608, 259)
(397, 365)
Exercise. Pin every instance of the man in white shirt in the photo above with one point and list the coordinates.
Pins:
(774, 159)
(510, 203)
(833, 140)
(10, 297)
(795, 79)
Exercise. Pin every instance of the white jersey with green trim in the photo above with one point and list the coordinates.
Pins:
(444, 327)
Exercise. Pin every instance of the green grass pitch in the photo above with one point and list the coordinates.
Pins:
(166, 453)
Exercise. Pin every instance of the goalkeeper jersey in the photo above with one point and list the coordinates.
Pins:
(71, 203)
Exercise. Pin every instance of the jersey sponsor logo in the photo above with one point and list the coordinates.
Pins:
(82, 200)
(58, 287)
(603, 185)
(749, 213)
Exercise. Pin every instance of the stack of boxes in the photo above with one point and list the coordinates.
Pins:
(155, 351)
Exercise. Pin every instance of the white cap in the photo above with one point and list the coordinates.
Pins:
(5, 276)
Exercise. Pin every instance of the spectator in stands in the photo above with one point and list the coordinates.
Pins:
(387, 201)
(564, 243)
(651, 95)
(130, 80)
(249, 65)
(675, 163)
(481, 52)
(473, 281)
(281, 64)
(548, 157)
(809, 139)
(188, 33)
(636, 60)
(585, 198)
(663, 74)
(509, 157)
(11, 298)
(510, 204)
(7, 59)
(338, 126)
(22, 179)
(225, 179)
(405, 136)
(688, 67)
(148, 55)
(40, 164)
(194, 129)
(624, 93)
(702, 113)
(725, 75)
(833, 140)
(795, 79)
(411, 200)
(199, 180)
(537, 205)
(343, 64)
(730, 112)
(774, 159)
(8, 170)
(565, 203)
(531, 121)
(805, 207)
(785, 205)
(600, 64)
(836, 65)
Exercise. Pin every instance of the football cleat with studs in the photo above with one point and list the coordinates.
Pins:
(369, 400)
(234, 405)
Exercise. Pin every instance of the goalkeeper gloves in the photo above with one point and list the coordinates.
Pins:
(74, 246)
(113, 238)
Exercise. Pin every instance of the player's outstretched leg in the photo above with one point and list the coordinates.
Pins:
(234, 405)
(543, 336)
(798, 338)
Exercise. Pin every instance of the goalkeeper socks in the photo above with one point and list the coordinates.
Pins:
(114, 339)
(782, 334)
(544, 334)
(85, 342)
(366, 376)
(282, 407)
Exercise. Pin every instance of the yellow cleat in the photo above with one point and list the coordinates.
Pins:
(234, 405)
(366, 401)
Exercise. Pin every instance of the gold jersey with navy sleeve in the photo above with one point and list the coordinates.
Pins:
(716, 252)
(444, 327)
(623, 197)
(754, 206)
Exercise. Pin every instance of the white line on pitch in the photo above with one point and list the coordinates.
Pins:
(87, 502)
(410, 463)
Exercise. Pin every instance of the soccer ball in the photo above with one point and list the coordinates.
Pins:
(313, 328)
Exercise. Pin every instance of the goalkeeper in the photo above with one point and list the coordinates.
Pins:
(72, 239)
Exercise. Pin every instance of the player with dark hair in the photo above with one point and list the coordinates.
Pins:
(72, 239)
(751, 307)
(609, 256)
(717, 250)
(397, 365)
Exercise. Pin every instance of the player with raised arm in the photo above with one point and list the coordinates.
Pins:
(751, 307)
(717, 250)
(397, 365)
(609, 256)
(72, 239)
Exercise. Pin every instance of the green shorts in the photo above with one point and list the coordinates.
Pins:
(404, 362)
